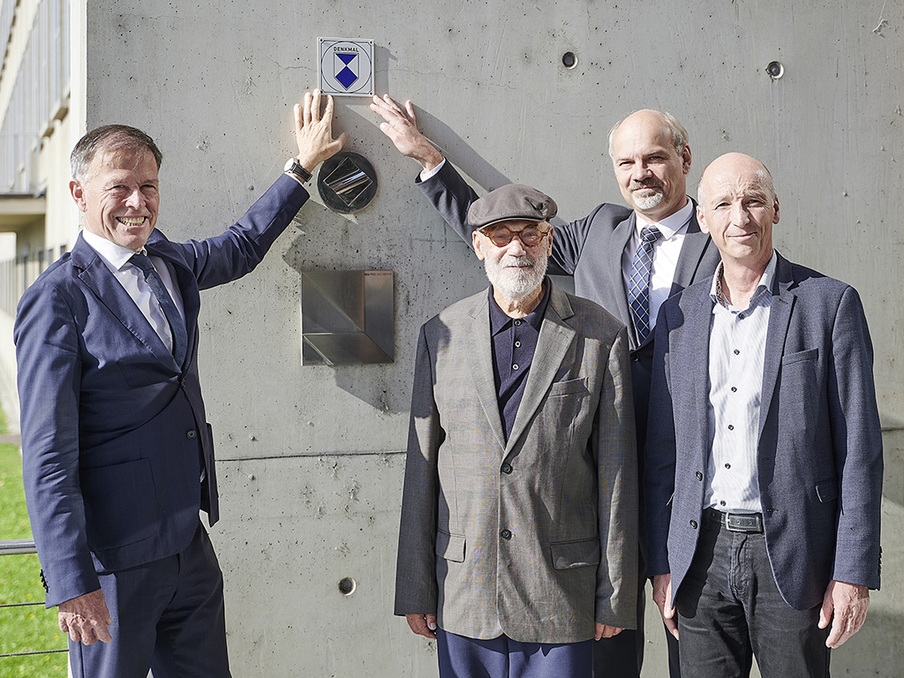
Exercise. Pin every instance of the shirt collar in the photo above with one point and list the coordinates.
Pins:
(499, 320)
(115, 256)
(763, 288)
(672, 224)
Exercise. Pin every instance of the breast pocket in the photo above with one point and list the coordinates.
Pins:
(568, 387)
(809, 354)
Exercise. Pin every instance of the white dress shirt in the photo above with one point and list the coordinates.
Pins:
(737, 351)
(666, 251)
(132, 279)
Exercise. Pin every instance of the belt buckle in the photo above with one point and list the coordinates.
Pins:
(739, 522)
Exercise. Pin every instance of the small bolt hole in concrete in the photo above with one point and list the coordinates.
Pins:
(347, 586)
(569, 60)
(775, 69)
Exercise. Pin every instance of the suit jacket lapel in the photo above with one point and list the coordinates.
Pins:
(98, 278)
(692, 249)
(779, 321)
(698, 309)
(484, 385)
(620, 238)
(552, 345)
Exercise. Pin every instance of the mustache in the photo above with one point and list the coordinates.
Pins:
(648, 183)
(522, 261)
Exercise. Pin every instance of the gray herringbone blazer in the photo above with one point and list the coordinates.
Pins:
(535, 537)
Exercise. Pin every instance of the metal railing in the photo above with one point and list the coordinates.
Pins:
(15, 547)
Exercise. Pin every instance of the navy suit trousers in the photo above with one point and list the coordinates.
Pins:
(168, 616)
(502, 657)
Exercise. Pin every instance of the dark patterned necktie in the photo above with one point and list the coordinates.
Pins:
(173, 317)
(639, 282)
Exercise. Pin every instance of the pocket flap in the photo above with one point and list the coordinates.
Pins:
(450, 546)
(809, 354)
(568, 387)
(569, 554)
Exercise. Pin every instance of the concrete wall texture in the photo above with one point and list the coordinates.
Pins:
(311, 458)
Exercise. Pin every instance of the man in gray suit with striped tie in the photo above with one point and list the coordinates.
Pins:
(519, 513)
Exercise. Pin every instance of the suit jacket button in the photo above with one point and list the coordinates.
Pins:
(698, 475)
(694, 524)
(507, 468)
(505, 534)
(191, 435)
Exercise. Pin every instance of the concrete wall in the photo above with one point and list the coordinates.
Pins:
(310, 457)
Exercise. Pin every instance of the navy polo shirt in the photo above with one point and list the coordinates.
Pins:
(514, 342)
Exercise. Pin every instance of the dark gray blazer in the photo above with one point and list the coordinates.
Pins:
(527, 533)
(820, 446)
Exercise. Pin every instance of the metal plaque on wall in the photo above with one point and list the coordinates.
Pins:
(346, 66)
(347, 317)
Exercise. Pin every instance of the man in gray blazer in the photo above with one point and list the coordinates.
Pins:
(519, 514)
(627, 259)
(764, 451)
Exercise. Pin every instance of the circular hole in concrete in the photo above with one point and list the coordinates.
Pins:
(347, 586)
(569, 60)
(775, 69)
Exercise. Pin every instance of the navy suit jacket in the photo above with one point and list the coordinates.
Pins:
(590, 250)
(819, 457)
(114, 435)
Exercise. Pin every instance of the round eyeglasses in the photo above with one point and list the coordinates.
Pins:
(502, 236)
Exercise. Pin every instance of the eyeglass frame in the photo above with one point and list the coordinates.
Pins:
(514, 234)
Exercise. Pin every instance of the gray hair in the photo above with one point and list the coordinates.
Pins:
(677, 130)
(109, 138)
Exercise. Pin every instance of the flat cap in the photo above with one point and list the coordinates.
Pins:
(513, 202)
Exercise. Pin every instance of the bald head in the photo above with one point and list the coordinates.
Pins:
(738, 207)
(650, 122)
(735, 166)
(651, 160)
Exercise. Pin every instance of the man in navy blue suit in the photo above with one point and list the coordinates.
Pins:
(117, 455)
(764, 450)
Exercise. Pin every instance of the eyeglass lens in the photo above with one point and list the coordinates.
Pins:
(501, 236)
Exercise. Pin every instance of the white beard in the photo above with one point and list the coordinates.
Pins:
(647, 202)
(517, 283)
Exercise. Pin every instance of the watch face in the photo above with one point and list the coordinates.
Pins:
(288, 165)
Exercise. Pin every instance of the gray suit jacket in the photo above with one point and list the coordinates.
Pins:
(534, 535)
(820, 446)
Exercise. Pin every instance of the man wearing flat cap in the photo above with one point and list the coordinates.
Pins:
(519, 511)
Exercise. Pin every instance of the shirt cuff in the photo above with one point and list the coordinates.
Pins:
(430, 173)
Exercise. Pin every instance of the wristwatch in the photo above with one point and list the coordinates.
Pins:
(294, 168)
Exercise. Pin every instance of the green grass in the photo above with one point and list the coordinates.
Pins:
(23, 629)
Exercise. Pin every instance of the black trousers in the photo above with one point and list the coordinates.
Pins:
(730, 610)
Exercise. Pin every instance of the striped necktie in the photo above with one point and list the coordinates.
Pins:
(639, 282)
